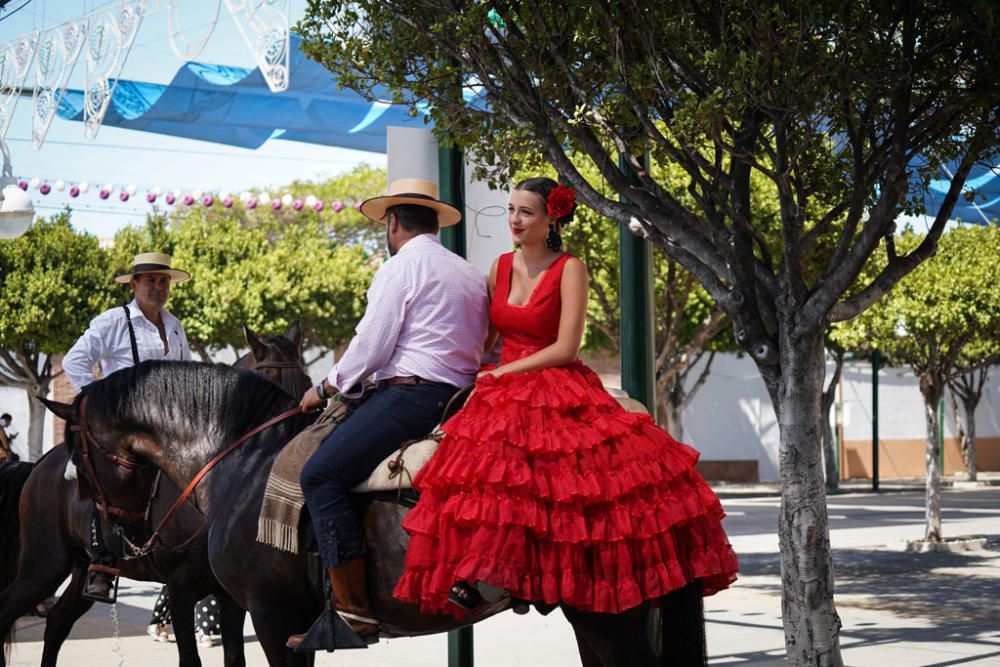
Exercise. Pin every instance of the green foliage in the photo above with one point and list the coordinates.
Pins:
(945, 315)
(267, 268)
(53, 280)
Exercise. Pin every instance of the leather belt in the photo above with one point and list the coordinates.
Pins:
(401, 379)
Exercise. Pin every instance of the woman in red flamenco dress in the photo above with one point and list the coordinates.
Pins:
(543, 485)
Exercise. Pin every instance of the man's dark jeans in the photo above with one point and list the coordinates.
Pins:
(348, 456)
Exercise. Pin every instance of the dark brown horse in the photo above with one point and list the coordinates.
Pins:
(197, 410)
(55, 533)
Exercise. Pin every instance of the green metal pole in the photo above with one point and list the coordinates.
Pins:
(876, 362)
(451, 181)
(636, 306)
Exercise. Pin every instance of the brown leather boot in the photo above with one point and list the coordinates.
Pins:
(349, 596)
(349, 584)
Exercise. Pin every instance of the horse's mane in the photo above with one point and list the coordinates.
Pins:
(182, 398)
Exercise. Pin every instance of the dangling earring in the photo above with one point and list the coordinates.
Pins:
(553, 241)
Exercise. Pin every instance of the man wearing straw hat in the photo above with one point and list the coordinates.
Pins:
(118, 338)
(422, 338)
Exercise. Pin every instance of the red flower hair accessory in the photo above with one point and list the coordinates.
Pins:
(560, 201)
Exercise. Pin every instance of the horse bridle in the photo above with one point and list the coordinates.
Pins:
(87, 439)
(88, 443)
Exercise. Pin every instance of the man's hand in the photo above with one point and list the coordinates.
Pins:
(311, 401)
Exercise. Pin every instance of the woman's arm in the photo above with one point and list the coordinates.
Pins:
(572, 317)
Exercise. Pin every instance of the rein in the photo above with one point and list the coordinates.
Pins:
(147, 548)
(276, 364)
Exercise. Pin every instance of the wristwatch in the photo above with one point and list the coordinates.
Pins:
(322, 392)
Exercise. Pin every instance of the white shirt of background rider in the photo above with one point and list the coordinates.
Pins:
(107, 342)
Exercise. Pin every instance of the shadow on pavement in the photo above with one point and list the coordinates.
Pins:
(932, 598)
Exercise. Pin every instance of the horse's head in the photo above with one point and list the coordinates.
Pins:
(278, 358)
(113, 467)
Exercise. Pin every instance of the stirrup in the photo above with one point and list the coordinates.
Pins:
(332, 631)
(93, 572)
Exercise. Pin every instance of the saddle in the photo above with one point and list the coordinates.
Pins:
(281, 510)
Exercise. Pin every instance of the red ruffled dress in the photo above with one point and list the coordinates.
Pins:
(545, 486)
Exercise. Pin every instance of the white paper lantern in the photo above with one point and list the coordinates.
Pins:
(157, 190)
(286, 200)
(264, 198)
(311, 201)
(84, 187)
(35, 182)
(131, 189)
(197, 194)
(60, 186)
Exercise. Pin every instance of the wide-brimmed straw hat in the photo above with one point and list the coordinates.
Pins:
(153, 262)
(416, 191)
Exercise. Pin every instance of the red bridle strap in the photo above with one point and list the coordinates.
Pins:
(189, 489)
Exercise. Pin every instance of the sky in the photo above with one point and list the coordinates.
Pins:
(145, 160)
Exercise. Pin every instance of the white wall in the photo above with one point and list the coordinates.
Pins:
(731, 417)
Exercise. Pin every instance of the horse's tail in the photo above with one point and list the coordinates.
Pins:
(12, 479)
(682, 628)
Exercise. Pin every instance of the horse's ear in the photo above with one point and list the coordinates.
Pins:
(256, 345)
(62, 410)
(294, 334)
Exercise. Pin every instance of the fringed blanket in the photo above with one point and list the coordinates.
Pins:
(278, 525)
(281, 510)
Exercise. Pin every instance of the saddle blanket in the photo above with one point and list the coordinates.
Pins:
(281, 509)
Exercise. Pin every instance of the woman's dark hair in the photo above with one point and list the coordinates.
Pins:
(542, 186)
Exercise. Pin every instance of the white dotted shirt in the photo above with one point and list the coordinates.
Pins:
(427, 316)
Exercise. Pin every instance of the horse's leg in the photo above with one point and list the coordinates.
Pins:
(682, 627)
(616, 640)
(231, 618)
(33, 583)
(587, 656)
(64, 614)
(273, 627)
(182, 603)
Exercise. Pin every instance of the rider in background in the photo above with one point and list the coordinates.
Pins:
(118, 338)
(421, 336)
(7, 454)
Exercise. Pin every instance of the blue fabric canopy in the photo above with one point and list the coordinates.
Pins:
(983, 187)
(234, 106)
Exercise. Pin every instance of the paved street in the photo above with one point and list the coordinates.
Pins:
(898, 609)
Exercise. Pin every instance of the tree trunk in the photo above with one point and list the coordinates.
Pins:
(969, 406)
(829, 443)
(963, 437)
(674, 424)
(36, 423)
(810, 617)
(931, 389)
